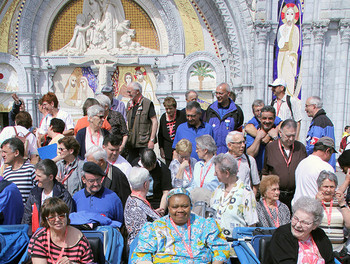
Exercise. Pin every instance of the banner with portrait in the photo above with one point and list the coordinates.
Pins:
(287, 62)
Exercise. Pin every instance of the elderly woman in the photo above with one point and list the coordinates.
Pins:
(337, 214)
(168, 124)
(182, 166)
(203, 173)
(93, 134)
(137, 209)
(233, 201)
(47, 186)
(58, 242)
(70, 168)
(115, 119)
(271, 212)
(181, 237)
(301, 241)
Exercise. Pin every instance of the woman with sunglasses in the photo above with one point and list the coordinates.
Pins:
(301, 241)
(93, 134)
(58, 242)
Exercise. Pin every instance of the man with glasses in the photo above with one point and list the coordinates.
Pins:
(321, 125)
(309, 169)
(282, 157)
(95, 198)
(247, 169)
(224, 116)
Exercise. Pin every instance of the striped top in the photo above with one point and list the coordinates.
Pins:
(335, 231)
(79, 253)
(23, 178)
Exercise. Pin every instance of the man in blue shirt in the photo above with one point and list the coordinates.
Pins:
(96, 198)
(194, 127)
(11, 205)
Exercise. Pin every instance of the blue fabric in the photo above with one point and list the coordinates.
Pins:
(105, 202)
(191, 133)
(223, 120)
(261, 154)
(321, 126)
(113, 245)
(11, 205)
(81, 218)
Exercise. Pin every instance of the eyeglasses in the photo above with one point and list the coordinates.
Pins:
(52, 219)
(307, 105)
(303, 223)
(91, 181)
(100, 116)
(238, 143)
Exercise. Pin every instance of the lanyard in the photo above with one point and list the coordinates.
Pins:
(144, 200)
(289, 160)
(189, 177)
(188, 247)
(132, 104)
(279, 103)
(205, 175)
(329, 212)
(68, 175)
(309, 252)
(277, 222)
(98, 137)
(49, 245)
(239, 162)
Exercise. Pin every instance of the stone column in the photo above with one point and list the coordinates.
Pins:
(262, 30)
(319, 30)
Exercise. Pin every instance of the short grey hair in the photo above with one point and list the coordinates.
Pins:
(97, 153)
(103, 100)
(194, 104)
(229, 137)
(258, 102)
(288, 123)
(95, 110)
(327, 175)
(190, 91)
(311, 206)
(136, 86)
(316, 100)
(227, 87)
(226, 162)
(137, 177)
(206, 142)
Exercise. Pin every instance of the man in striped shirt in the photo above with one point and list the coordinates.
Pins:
(19, 171)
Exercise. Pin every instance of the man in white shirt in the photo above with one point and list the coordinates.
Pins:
(309, 168)
(111, 144)
(247, 169)
(286, 106)
(50, 104)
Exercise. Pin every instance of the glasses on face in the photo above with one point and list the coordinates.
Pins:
(288, 136)
(52, 219)
(307, 105)
(100, 116)
(303, 223)
(91, 181)
(239, 142)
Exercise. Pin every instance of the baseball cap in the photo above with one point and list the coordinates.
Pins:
(278, 82)
(107, 89)
(326, 141)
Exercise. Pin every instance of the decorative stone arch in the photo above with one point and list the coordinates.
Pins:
(18, 67)
(38, 16)
(195, 57)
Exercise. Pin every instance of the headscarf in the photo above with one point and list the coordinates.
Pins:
(178, 191)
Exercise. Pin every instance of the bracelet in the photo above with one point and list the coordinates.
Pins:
(343, 206)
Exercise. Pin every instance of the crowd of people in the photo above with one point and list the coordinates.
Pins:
(105, 170)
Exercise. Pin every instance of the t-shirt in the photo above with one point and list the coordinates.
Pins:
(67, 119)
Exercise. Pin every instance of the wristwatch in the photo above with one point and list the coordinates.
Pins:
(343, 206)
(153, 140)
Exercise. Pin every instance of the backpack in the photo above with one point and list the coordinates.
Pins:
(288, 103)
(343, 142)
(25, 142)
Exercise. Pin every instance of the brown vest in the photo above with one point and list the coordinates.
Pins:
(140, 134)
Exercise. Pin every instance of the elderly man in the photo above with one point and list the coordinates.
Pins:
(193, 128)
(115, 179)
(282, 157)
(115, 104)
(192, 96)
(321, 125)
(115, 119)
(224, 116)
(247, 169)
(309, 169)
(286, 107)
(95, 197)
(111, 144)
(233, 201)
(256, 145)
(142, 122)
(160, 182)
(19, 171)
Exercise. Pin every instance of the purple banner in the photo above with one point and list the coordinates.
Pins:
(288, 45)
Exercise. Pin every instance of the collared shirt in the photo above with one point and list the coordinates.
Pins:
(119, 107)
(187, 178)
(123, 165)
(284, 111)
(246, 173)
(206, 172)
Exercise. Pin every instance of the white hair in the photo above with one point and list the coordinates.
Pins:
(103, 100)
(137, 177)
(229, 137)
(97, 153)
(95, 110)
